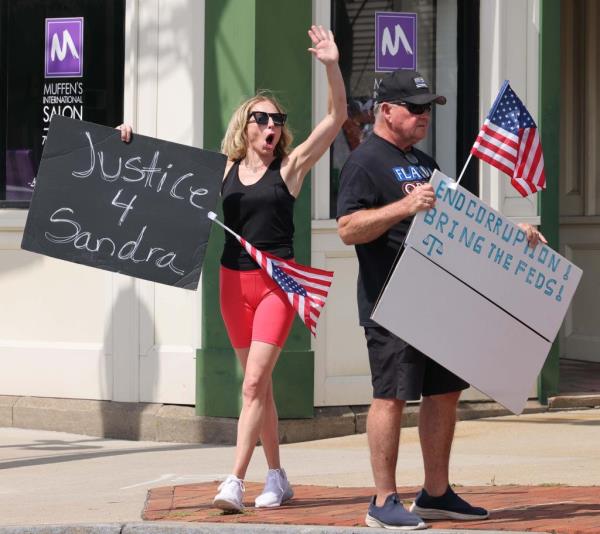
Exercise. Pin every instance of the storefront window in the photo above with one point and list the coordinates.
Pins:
(60, 57)
(376, 36)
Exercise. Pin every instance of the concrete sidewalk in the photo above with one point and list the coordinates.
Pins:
(57, 478)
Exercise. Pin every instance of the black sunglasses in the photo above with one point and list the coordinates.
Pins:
(415, 109)
(262, 118)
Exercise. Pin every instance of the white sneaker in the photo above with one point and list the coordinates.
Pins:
(277, 490)
(231, 493)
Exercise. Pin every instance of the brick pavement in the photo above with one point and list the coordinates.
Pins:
(556, 509)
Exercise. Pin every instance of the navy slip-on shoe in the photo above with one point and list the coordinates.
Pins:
(446, 506)
(393, 515)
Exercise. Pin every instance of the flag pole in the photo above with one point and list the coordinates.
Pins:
(213, 217)
(491, 112)
(306, 288)
(463, 169)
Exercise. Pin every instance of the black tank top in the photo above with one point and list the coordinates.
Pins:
(262, 213)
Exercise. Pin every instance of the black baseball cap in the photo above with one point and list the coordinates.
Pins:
(406, 86)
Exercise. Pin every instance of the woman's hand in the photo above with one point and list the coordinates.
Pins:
(324, 47)
(126, 132)
(533, 234)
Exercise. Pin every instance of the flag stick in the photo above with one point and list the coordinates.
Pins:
(463, 169)
(213, 217)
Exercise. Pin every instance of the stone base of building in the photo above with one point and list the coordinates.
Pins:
(173, 423)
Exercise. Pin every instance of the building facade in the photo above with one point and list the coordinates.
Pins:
(175, 69)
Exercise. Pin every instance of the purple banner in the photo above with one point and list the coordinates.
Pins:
(395, 41)
(64, 48)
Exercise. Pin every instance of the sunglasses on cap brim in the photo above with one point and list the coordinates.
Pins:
(414, 109)
(262, 118)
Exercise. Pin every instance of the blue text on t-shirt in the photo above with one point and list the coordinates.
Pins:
(411, 173)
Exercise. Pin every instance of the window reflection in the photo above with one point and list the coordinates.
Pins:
(353, 22)
(60, 57)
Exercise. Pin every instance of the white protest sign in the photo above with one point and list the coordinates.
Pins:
(491, 307)
(461, 330)
(483, 248)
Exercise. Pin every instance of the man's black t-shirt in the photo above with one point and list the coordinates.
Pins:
(378, 173)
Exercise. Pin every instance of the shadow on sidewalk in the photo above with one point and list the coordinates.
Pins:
(26, 462)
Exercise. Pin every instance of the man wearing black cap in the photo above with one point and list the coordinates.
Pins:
(382, 185)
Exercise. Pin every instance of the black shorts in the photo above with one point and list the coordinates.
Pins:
(399, 371)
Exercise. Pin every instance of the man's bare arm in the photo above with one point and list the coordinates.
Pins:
(366, 225)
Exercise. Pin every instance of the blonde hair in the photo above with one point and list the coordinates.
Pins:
(234, 144)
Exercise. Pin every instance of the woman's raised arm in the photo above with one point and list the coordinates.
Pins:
(305, 155)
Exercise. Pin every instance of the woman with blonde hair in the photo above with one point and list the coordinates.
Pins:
(263, 177)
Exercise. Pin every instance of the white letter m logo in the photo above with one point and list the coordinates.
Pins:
(61, 50)
(387, 45)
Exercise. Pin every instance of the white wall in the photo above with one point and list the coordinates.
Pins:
(164, 98)
(52, 341)
(508, 50)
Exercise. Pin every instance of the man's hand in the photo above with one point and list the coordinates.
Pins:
(534, 236)
(366, 225)
(421, 198)
(126, 131)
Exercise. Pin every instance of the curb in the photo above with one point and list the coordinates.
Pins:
(216, 528)
(180, 424)
(583, 400)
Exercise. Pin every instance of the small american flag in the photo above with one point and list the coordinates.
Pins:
(509, 140)
(306, 287)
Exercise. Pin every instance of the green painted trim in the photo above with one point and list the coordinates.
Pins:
(218, 382)
(221, 377)
(286, 70)
(228, 78)
(251, 45)
(549, 125)
(293, 380)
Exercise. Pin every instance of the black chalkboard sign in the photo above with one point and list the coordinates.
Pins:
(139, 208)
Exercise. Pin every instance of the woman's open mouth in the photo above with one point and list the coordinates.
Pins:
(269, 140)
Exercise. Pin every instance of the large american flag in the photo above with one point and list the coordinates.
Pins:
(305, 287)
(510, 141)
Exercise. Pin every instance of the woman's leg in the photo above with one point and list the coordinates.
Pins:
(256, 392)
(273, 320)
(257, 314)
(238, 315)
(269, 433)
(269, 436)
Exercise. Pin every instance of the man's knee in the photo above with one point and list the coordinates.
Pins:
(443, 399)
(385, 408)
(387, 404)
